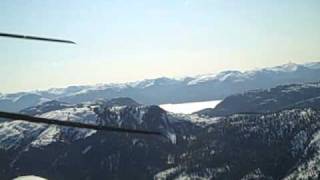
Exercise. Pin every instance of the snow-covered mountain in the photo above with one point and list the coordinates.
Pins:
(20, 140)
(281, 145)
(120, 112)
(169, 90)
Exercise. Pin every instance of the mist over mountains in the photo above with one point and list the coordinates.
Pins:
(169, 90)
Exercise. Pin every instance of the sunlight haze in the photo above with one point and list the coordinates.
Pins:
(121, 41)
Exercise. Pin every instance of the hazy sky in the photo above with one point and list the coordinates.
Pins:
(129, 40)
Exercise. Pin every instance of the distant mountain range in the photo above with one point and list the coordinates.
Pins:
(169, 90)
(281, 142)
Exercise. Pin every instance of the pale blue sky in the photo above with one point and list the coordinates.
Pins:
(130, 40)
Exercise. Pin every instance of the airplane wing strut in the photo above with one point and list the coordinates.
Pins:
(16, 116)
(7, 35)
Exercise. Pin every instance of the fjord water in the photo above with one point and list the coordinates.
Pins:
(190, 107)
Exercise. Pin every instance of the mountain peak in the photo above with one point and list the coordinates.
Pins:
(289, 67)
(121, 101)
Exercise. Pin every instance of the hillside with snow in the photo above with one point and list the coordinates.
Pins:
(304, 95)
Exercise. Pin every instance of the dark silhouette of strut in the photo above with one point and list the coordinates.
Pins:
(16, 116)
(34, 38)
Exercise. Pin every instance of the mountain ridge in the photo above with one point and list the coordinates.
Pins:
(235, 147)
(171, 90)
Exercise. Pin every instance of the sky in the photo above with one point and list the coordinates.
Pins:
(128, 40)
